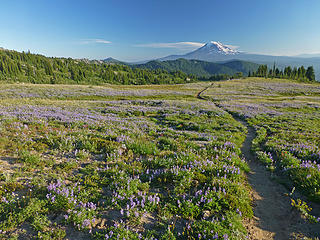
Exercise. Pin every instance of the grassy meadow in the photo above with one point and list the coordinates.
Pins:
(151, 161)
(286, 116)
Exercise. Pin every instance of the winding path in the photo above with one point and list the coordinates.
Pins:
(273, 214)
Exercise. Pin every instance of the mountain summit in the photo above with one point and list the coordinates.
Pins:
(217, 48)
(218, 52)
(211, 51)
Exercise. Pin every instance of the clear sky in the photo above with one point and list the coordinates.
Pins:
(134, 30)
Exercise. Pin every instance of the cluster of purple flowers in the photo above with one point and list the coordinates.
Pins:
(249, 110)
(223, 171)
(4, 199)
(42, 91)
(76, 208)
(60, 189)
(310, 164)
(91, 116)
(304, 151)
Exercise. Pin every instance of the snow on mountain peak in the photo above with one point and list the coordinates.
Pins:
(218, 48)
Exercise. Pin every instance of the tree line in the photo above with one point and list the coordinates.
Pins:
(35, 68)
(220, 77)
(297, 73)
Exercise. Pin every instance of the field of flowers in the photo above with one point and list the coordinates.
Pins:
(286, 116)
(81, 162)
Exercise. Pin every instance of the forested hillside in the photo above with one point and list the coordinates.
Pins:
(202, 68)
(34, 68)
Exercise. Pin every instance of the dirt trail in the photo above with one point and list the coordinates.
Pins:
(202, 91)
(274, 217)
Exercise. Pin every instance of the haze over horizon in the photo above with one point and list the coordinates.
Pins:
(141, 30)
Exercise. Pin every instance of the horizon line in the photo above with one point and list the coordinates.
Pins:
(298, 55)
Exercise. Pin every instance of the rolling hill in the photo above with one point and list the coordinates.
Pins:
(201, 68)
(35, 68)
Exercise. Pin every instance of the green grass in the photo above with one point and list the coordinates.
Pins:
(146, 161)
(286, 116)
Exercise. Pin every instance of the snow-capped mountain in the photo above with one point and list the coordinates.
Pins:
(214, 51)
(218, 52)
(211, 51)
(216, 48)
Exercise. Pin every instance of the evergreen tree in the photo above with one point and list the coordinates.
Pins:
(48, 68)
(288, 72)
(273, 70)
(310, 74)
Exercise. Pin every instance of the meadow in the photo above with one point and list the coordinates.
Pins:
(149, 162)
(286, 117)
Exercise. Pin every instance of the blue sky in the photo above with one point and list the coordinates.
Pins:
(134, 30)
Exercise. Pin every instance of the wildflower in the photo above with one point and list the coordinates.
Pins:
(86, 223)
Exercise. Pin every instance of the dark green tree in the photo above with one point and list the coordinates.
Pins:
(310, 74)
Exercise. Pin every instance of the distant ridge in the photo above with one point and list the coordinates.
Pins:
(201, 68)
(215, 51)
(112, 60)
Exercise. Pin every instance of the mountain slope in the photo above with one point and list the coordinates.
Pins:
(215, 51)
(35, 68)
(211, 51)
(201, 68)
(242, 66)
(113, 60)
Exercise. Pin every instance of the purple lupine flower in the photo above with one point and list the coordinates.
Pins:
(86, 223)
